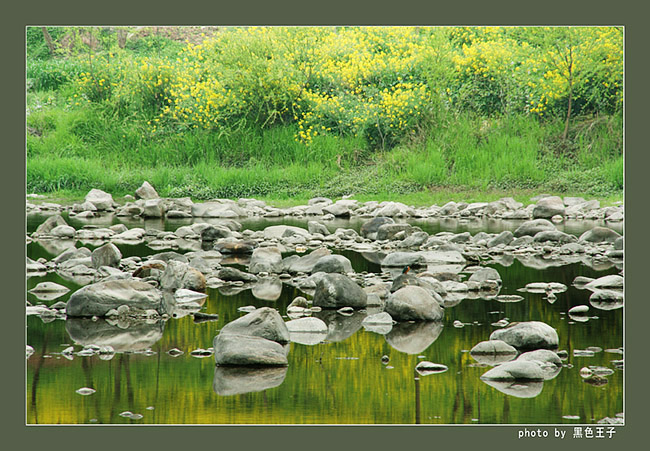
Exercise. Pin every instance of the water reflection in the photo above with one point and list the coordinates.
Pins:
(122, 337)
(229, 381)
(414, 338)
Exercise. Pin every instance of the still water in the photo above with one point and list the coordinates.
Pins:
(339, 381)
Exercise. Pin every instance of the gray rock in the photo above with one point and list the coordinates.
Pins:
(413, 303)
(549, 207)
(493, 352)
(618, 244)
(230, 381)
(555, 236)
(263, 322)
(606, 299)
(317, 227)
(50, 223)
(215, 232)
(320, 201)
(49, 287)
(146, 191)
(528, 335)
(181, 275)
(246, 350)
(153, 208)
(533, 227)
(280, 231)
(63, 232)
(599, 235)
(388, 231)
(485, 274)
(416, 239)
(266, 259)
(97, 299)
(337, 209)
(504, 238)
(305, 263)
(402, 259)
(549, 362)
(333, 264)
(338, 290)
(515, 371)
(369, 229)
(106, 255)
(235, 247)
(612, 281)
(100, 199)
(233, 274)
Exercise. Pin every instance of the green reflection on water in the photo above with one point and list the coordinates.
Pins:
(332, 382)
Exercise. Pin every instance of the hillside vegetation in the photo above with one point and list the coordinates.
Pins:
(306, 111)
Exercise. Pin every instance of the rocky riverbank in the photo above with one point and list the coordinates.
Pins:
(421, 275)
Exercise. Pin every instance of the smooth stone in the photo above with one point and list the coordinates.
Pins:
(263, 322)
(515, 370)
(527, 335)
(98, 298)
(533, 227)
(338, 290)
(413, 303)
(247, 350)
(425, 368)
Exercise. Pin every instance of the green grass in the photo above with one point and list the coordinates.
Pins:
(77, 148)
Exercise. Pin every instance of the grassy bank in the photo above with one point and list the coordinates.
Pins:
(370, 113)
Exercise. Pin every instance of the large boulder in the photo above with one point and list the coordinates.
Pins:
(533, 227)
(612, 281)
(266, 259)
(247, 350)
(338, 290)
(554, 236)
(333, 264)
(100, 199)
(493, 352)
(317, 227)
(146, 191)
(181, 275)
(305, 263)
(338, 208)
(106, 255)
(529, 335)
(283, 231)
(99, 298)
(599, 235)
(369, 229)
(548, 207)
(215, 232)
(263, 322)
(413, 303)
(401, 259)
(388, 231)
(485, 274)
(548, 361)
(50, 223)
(234, 274)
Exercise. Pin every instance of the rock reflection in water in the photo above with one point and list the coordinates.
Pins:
(527, 389)
(414, 338)
(136, 337)
(230, 381)
(340, 327)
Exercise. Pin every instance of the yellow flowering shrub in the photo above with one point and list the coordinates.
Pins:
(379, 83)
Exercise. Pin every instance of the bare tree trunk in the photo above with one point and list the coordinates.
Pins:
(48, 40)
(121, 37)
